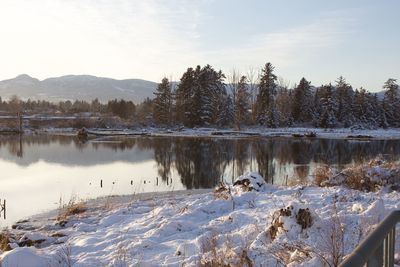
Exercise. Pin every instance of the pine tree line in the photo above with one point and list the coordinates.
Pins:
(201, 99)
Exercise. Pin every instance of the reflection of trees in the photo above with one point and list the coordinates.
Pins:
(202, 162)
(15, 148)
(199, 162)
(116, 144)
(163, 156)
(264, 152)
(240, 156)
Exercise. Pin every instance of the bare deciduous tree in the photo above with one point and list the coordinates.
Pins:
(253, 78)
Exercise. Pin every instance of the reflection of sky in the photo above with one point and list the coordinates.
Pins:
(39, 187)
(91, 153)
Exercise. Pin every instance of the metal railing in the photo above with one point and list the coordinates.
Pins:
(379, 246)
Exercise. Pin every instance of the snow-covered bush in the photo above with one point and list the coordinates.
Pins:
(250, 181)
(284, 220)
(368, 177)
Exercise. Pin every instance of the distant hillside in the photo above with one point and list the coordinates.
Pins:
(82, 87)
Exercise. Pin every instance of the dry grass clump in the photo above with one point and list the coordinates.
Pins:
(289, 253)
(276, 223)
(223, 256)
(73, 207)
(364, 177)
(322, 174)
(64, 255)
(356, 178)
(4, 241)
(222, 191)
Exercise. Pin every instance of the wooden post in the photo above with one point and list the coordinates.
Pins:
(20, 121)
(3, 208)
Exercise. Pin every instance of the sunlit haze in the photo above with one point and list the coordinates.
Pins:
(121, 39)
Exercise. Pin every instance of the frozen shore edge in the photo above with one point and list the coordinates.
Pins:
(254, 132)
(197, 226)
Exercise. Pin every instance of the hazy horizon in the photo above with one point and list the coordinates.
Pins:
(151, 39)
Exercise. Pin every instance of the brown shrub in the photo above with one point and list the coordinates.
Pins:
(322, 174)
(356, 178)
(222, 191)
(71, 208)
(4, 241)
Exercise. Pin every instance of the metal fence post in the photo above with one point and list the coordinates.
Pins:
(378, 248)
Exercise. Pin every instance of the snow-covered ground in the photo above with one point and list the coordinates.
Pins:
(393, 133)
(274, 226)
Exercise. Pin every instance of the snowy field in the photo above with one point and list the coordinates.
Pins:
(232, 225)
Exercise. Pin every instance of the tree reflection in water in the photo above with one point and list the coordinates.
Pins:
(203, 162)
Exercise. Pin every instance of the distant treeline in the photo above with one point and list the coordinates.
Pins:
(206, 97)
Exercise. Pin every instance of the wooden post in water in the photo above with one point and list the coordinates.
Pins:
(20, 152)
(20, 121)
(101, 183)
(3, 208)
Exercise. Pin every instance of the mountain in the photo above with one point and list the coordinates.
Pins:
(81, 87)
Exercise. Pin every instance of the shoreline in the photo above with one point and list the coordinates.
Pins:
(37, 220)
(175, 228)
(255, 132)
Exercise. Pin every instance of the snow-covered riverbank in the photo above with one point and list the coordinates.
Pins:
(341, 133)
(286, 225)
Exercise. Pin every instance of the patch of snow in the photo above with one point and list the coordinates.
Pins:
(25, 257)
(191, 228)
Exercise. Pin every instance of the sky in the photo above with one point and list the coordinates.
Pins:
(149, 39)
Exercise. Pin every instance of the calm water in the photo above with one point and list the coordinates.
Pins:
(36, 171)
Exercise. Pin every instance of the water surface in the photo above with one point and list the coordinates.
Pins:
(38, 171)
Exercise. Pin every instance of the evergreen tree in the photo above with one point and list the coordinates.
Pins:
(144, 111)
(198, 96)
(184, 97)
(366, 109)
(382, 122)
(123, 109)
(317, 107)
(162, 104)
(392, 102)
(214, 90)
(266, 110)
(329, 107)
(95, 106)
(302, 100)
(284, 102)
(226, 111)
(242, 104)
(345, 97)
